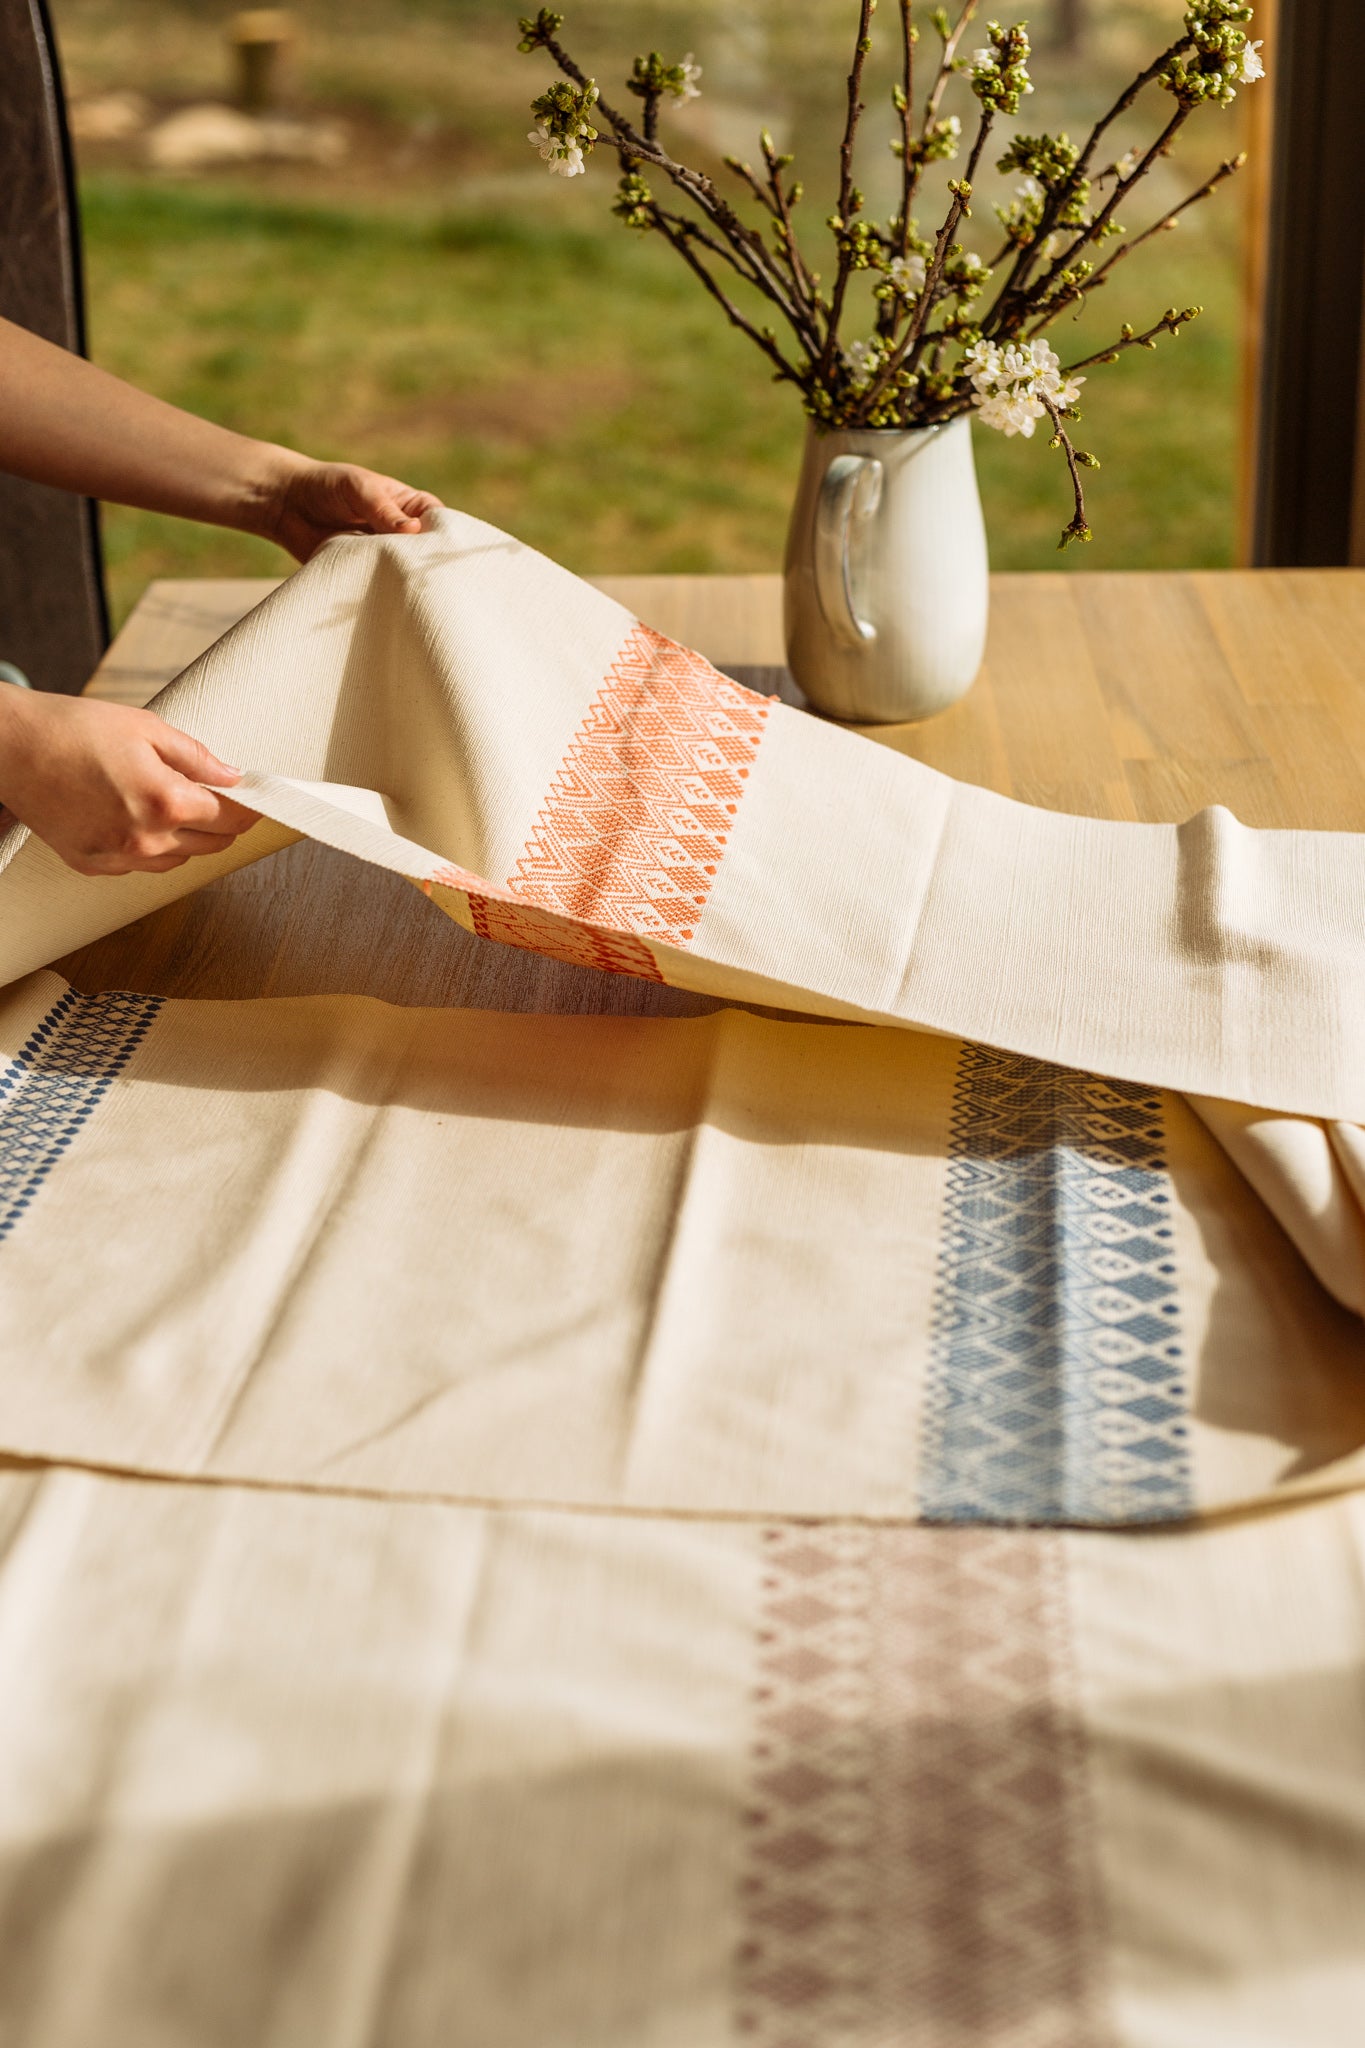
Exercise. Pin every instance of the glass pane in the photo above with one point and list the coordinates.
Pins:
(383, 271)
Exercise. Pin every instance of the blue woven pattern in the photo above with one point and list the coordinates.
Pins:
(56, 1082)
(1057, 1389)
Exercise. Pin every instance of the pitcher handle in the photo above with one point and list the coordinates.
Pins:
(850, 488)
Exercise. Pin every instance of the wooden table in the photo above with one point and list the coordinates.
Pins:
(1118, 696)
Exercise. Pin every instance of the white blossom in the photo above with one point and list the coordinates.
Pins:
(907, 275)
(1126, 165)
(1252, 66)
(1024, 211)
(1010, 384)
(986, 60)
(1010, 414)
(862, 358)
(564, 159)
(691, 72)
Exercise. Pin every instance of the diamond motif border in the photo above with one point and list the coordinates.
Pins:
(918, 1863)
(1058, 1386)
(55, 1083)
(636, 822)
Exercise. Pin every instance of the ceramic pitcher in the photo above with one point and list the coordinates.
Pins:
(885, 589)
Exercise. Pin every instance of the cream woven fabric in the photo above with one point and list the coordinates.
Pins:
(729, 1264)
(557, 1578)
(279, 1768)
(555, 775)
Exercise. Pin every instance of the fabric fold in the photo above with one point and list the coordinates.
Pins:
(1308, 1174)
(555, 775)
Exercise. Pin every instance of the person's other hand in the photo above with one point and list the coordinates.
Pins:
(114, 791)
(301, 504)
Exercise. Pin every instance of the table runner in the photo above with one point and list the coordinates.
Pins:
(554, 774)
(280, 1768)
(729, 1264)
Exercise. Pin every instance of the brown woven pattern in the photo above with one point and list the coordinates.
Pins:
(917, 1869)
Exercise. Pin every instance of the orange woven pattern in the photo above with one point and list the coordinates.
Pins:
(637, 819)
(539, 931)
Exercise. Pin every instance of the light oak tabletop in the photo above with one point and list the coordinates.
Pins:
(1117, 696)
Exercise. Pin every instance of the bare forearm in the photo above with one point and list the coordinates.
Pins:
(65, 422)
(112, 790)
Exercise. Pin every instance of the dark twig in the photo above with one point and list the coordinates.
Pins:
(907, 114)
(855, 108)
(945, 69)
(1225, 170)
(780, 206)
(663, 222)
(846, 206)
(1078, 529)
(747, 176)
(935, 94)
(750, 255)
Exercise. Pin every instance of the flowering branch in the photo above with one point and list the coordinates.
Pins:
(932, 355)
(901, 360)
(947, 67)
(1056, 200)
(1171, 322)
(1062, 269)
(541, 32)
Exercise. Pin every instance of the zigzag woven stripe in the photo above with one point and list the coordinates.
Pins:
(635, 824)
(1057, 1390)
(55, 1083)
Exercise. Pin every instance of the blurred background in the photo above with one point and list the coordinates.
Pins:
(344, 242)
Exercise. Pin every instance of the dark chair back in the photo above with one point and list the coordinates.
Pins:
(53, 619)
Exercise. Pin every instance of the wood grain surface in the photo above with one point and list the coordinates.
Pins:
(1117, 696)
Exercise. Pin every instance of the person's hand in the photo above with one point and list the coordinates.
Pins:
(301, 504)
(112, 790)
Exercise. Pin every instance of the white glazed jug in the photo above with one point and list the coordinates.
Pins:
(885, 584)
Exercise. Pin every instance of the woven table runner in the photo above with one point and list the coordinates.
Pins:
(556, 775)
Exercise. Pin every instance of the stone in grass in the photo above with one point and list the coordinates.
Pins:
(203, 137)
